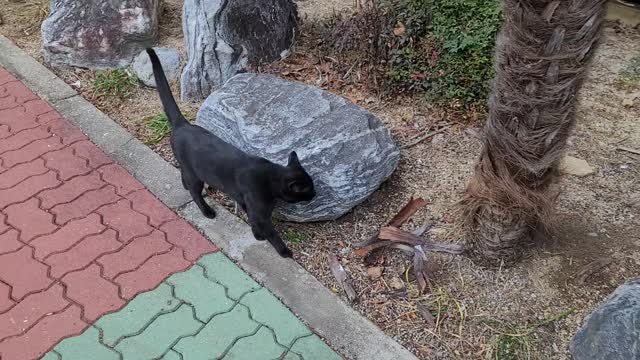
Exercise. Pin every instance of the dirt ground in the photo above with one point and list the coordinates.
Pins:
(528, 311)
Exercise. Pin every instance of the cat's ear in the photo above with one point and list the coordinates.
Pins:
(293, 160)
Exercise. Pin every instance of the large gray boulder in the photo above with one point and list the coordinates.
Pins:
(612, 331)
(170, 60)
(227, 37)
(98, 34)
(347, 151)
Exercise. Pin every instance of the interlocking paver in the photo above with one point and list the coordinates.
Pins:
(85, 204)
(128, 223)
(120, 178)
(258, 346)
(20, 92)
(138, 313)
(28, 188)
(29, 219)
(96, 295)
(160, 335)
(218, 335)
(219, 268)
(151, 273)
(78, 235)
(62, 129)
(193, 288)
(30, 152)
(66, 163)
(23, 273)
(83, 253)
(267, 309)
(34, 307)
(89, 152)
(182, 234)
(70, 190)
(86, 346)
(15, 116)
(312, 348)
(17, 174)
(134, 254)
(5, 297)
(66, 236)
(291, 356)
(23, 138)
(9, 242)
(44, 335)
(146, 203)
(172, 355)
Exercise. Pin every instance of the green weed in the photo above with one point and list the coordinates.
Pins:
(159, 127)
(114, 84)
(513, 341)
(629, 77)
(294, 236)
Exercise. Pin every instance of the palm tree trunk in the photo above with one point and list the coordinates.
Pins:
(542, 54)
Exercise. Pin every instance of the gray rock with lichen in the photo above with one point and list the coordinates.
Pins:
(170, 60)
(98, 34)
(225, 37)
(612, 331)
(347, 151)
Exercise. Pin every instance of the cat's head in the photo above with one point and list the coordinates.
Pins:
(297, 184)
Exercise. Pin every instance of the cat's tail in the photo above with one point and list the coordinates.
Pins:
(166, 97)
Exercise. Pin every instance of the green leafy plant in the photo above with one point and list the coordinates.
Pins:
(446, 48)
(293, 236)
(629, 76)
(114, 83)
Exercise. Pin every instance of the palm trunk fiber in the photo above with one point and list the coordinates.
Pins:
(542, 54)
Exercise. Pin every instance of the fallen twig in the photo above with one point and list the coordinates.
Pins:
(426, 314)
(590, 269)
(630, 150)
(424, 137)
(401, 217)
(343, 278)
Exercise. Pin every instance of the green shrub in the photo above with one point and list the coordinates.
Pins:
(446, 48)
(629, 76)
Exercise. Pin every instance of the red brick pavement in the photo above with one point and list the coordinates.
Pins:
(79, 236)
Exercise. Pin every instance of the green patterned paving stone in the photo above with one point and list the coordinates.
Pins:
(312, 348)
(259, 346)
(160, 335)
(51, 355)
(222, 270)
(137, 314)
(267, 309)
(291, 356)
(207, 297)
(171, 355)
(214, 339)
(79, 347)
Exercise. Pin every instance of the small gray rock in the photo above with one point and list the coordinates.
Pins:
(347, 151)
(612, 331)
(98, 34)
(227, 37)
(170, 60)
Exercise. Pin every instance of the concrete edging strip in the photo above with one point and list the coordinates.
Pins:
(342, 327)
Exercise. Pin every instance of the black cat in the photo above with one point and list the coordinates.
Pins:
(253, 182)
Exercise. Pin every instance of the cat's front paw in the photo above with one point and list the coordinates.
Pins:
(209, 213)
(285, 252)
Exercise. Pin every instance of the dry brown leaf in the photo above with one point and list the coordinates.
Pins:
(343, 278)
(375, 272)
(399, 30)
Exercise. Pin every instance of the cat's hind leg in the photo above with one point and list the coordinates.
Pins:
(195, 187)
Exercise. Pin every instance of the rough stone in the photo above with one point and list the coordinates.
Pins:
(98, 34)
(347, 151)
(574, 166)
(170, 60)
(613, 329)
(227, 37)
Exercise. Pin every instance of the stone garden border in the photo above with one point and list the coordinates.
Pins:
(352, 335)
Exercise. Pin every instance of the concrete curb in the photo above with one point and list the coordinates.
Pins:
(343, 328)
